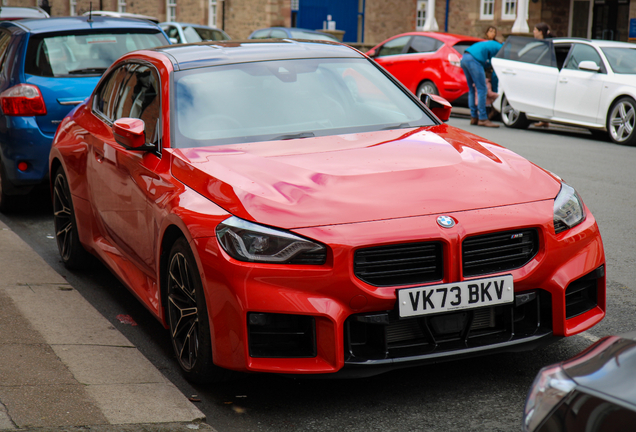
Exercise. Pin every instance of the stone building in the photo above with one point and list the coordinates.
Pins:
(368, 22)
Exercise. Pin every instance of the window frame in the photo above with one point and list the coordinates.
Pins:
(131, 67)
(420, 17)
(486, 4)
(213, 13)
(171, 10)
(514, 4)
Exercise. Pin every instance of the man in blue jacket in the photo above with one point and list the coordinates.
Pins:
(475, 60)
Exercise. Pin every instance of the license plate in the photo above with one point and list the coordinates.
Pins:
(455, 296)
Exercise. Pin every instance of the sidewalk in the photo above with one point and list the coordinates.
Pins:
(64, 367)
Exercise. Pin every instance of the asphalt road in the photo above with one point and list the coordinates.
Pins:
(484, 394)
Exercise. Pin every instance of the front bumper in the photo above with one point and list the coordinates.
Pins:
(342, 322)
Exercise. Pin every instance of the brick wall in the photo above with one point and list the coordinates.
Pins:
(386, 18)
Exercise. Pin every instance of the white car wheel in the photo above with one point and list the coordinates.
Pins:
(622, 121)
(511, 117)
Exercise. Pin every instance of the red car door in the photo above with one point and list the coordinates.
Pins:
(120, 179)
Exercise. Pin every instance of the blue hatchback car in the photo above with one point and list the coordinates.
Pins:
(46, 68)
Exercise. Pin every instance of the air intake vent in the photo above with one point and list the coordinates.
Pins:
(403, 264)
(497, 252)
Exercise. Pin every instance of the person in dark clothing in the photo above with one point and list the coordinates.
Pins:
(542, 31)
(475, 61)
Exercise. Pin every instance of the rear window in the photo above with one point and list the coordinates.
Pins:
(83, 54)
(460, 47)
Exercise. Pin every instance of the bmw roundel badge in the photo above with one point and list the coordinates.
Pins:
(446, 221)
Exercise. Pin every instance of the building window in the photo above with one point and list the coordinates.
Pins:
(121, 6)
(212, 13)
(509, 10)
(421, 14)
(487, 10)
(294, 5)
(171, 10)
(73, 7)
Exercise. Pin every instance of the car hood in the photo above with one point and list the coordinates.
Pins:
(361, 177)
(607, 366)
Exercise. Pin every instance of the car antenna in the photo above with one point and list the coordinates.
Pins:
(90, 12)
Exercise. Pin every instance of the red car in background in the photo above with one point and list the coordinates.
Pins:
(427, 62)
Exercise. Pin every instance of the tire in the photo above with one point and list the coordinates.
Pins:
(73, 254)
(428, 87)
(188, 317)
(511, 117)
(6, 201)
(621, 121)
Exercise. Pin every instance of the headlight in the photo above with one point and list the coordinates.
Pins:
(549, 388)
(568, 209)
(247, 241)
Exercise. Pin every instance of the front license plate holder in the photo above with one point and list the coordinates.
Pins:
(468, 294)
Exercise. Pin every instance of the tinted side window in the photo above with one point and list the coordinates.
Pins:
(5, 38)
(421, 44)
(582, 52)
(106, 96)
(528, 50)
(140, 99)
(395, 46)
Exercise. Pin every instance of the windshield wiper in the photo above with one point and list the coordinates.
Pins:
(94, 70)
(399, 126)
(294, 136)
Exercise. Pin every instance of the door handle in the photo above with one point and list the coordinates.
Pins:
(509, 72)
(563, 80)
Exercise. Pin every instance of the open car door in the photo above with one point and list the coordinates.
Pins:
(528, 74)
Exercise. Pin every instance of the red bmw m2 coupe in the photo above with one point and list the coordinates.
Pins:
(289, 207)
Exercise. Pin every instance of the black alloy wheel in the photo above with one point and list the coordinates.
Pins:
(73, 254)
(188, 317)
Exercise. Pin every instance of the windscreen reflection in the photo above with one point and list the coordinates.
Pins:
(287, 99)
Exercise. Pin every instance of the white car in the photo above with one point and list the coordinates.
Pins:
(190, 33)
(580, 82)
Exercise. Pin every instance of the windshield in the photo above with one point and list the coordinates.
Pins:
(287, 99)
(84, 54)
(622, 60)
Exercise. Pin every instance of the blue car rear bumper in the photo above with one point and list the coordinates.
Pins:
(21, 140)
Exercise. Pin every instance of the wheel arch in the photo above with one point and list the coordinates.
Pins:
(614, 99)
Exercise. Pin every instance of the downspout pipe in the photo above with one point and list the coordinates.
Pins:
(446, 18)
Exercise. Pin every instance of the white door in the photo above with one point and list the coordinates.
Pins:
(579, 91)
(527, 73)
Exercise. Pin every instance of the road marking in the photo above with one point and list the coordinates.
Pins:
(589, 337)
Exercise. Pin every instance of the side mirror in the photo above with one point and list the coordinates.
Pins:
(440, 106)
(589, 65)
(129, 132)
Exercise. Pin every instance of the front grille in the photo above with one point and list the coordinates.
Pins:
(403, 264)
(497, 252)
(382, 336)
